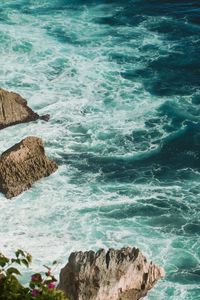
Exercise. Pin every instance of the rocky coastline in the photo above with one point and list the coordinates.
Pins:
(121, 274)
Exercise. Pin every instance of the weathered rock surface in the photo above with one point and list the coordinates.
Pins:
(22, 165)
(14, 110)
(116, 275)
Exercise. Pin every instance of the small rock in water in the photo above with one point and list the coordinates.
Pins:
(14, 110)
(45, 117)
(114, 275)
(22, 165)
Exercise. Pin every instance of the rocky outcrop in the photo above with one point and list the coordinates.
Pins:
(22, 165)
(14, 110)
(114, 275)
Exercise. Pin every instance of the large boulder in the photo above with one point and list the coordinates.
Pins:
(113, 275)
(22, 165)
(14, 110)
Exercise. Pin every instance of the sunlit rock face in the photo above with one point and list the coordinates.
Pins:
(22, 165)
(114, 275)
(14, 110)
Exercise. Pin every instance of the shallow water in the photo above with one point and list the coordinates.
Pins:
(121, 82)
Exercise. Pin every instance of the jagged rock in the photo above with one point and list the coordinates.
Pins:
(116, 275)
(14, 110)
(22, 165)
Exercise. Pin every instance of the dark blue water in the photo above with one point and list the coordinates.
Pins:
(121, 80)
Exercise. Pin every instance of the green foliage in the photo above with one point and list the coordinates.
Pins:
(39, 288)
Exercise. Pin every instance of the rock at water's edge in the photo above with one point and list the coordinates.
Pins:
(14, 110)
(22, 165)
(114, 275)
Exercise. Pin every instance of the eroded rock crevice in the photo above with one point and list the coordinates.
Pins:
(121, 274)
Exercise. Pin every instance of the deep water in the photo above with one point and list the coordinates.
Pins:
(121, 80)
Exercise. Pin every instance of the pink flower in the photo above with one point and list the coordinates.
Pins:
(35, 293)
(36, 277)
(51, 285)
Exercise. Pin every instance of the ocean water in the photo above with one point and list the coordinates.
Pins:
(121, 80)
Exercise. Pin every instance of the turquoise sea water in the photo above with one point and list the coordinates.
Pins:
(121, 81)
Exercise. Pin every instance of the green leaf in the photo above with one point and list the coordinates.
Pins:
(53, 278)
(3, 260)
(25, 262)
(17, 253)
(32, 285)
(29, 258)
(54, 262)
(20, 252)
(12, 270)
(16, 261)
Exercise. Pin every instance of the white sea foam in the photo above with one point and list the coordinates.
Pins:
(93, 107)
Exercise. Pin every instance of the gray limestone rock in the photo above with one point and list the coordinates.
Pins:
(113, 275)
